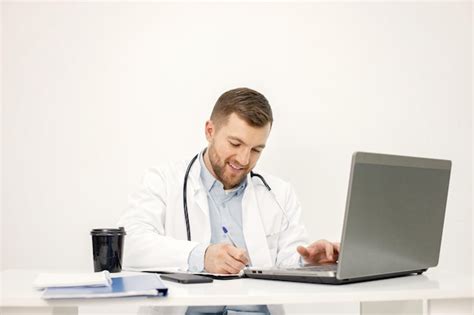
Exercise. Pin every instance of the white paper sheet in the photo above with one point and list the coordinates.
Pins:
(57, 280)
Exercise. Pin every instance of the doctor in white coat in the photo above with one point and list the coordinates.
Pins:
(263, 220)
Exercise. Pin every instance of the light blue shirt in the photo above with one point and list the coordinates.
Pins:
(225, 209)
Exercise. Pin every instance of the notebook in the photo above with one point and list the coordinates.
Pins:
(393, 223)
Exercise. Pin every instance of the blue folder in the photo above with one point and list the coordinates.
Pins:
(132, 285)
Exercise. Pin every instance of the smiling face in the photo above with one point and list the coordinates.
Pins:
(234, 149)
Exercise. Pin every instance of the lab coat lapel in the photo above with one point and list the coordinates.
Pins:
(197, 188)
(254, 232)
(198, 206)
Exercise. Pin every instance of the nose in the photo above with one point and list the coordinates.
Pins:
(243, 157)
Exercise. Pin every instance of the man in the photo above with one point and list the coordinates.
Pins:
(234, 218)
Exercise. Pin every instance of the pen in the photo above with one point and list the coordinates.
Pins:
(227, 235)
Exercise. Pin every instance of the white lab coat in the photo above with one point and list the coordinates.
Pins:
(156, 230)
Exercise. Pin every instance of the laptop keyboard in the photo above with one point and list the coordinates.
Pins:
(332, 267)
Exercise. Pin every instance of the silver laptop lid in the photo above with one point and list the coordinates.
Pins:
(394, 214)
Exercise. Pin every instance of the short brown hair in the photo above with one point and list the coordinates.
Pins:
(248, 104)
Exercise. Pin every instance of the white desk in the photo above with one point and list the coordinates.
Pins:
(431, 293)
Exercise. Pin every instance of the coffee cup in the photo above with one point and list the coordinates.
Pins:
(107, 249)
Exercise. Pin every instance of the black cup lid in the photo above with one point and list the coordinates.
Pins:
(108, 231)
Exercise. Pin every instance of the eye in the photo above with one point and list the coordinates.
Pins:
(257, 150)
(234, 144)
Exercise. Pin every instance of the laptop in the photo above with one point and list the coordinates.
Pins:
(393, 222)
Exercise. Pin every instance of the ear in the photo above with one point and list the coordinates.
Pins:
(210, 130)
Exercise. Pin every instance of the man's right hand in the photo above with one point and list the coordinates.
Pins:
(224, 258)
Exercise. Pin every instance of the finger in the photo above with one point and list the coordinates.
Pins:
(329, 250)
(231, 269)
(238, 254)
(235, 264)
(337, 246)
(224, 268)
(302, 251)
(318, 247)
(228, 265)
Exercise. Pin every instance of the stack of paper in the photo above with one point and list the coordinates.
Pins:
(94, 286)
(55, 280)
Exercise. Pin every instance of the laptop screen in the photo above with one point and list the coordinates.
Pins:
(394, 214)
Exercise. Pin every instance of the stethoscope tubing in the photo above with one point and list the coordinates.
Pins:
(185, 186)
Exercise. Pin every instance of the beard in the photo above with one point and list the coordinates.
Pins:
(222, 171)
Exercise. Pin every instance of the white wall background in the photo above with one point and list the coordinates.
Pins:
(94, 94)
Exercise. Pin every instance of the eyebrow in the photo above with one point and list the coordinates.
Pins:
(261, 146)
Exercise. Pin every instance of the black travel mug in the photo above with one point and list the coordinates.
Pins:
(107, 249)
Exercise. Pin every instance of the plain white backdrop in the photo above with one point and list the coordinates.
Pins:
(93, 94)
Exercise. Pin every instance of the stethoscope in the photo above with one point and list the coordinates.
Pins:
(185, 201)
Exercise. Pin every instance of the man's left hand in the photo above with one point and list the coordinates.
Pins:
(320, 252)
